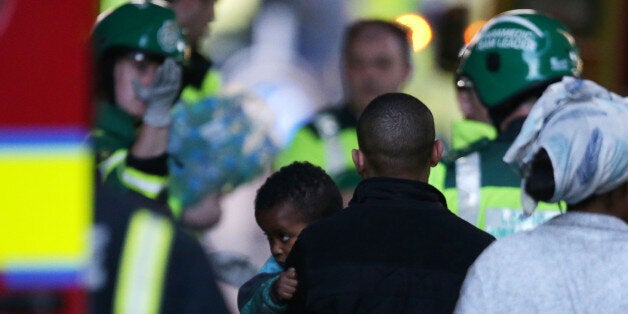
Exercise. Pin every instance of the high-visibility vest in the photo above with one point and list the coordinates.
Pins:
(326, 142)
(466, 132)
(482, 189)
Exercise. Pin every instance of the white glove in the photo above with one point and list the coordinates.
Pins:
(161, 94)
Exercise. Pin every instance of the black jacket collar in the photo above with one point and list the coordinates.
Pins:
(381, 188)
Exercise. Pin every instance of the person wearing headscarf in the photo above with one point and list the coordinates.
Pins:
(573, 148)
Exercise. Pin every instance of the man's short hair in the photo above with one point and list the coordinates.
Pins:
(308, 187)
(396, 134)
(364, 28)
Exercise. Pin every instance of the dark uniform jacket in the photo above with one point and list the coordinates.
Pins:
(395, 249)
(188, 284)
(116, 132)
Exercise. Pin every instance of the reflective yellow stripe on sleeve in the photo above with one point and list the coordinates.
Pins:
(143, 264)
(146, 184)
(107, 165)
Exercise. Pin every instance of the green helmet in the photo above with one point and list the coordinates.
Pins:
(516, 52)
(143, 26)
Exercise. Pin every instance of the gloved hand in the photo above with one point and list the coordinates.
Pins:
(161, 94)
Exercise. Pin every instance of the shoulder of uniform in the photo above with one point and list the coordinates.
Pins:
(450, 157)
(326, 115)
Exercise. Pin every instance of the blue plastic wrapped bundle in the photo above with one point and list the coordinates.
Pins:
(216, 145)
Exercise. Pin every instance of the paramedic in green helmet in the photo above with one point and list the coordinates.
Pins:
(138, 49)
(502, 72)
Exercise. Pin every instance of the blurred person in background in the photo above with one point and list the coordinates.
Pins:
(376, 59)
(200, 83)
(218, 141)
(144, 262)
(573, 148)
(138, 51)
(502, 72)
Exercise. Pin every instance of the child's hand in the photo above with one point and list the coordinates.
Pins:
(286, 284)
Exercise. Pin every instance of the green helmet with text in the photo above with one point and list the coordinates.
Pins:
(148, 27)
(517, 52)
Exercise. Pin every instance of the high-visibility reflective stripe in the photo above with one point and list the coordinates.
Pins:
(107, 165)
(176, 206)
(143, 264)
(146, 184)
(466, 132)
(468, 184)
(329, 130)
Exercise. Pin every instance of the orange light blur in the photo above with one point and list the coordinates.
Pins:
(471, 30)
(420, 28)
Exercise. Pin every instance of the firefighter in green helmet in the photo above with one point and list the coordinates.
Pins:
(504, 70)
(138, 50)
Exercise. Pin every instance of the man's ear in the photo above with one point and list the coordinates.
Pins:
(358, 161)
(437, 152)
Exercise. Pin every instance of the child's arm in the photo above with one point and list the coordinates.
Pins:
(255, 295)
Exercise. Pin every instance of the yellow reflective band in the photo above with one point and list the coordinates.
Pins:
(107, 165)
(146, 184)
(466, 132)
(143, 264)
(437, 178)
(305, 143)
(110, 4)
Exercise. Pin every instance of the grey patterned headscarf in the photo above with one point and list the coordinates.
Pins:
(584, 129)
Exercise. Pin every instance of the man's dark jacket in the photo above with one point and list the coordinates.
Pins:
(395, 249)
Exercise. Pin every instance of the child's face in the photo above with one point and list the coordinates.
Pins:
(281, 224)
(125, 70)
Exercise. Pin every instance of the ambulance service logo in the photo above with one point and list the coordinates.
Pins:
(168, 36)
(516, 33)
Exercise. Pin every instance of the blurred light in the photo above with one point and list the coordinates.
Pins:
(421, 30)
(471, 30)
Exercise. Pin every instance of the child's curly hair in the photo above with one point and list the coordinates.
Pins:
(308, 187)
